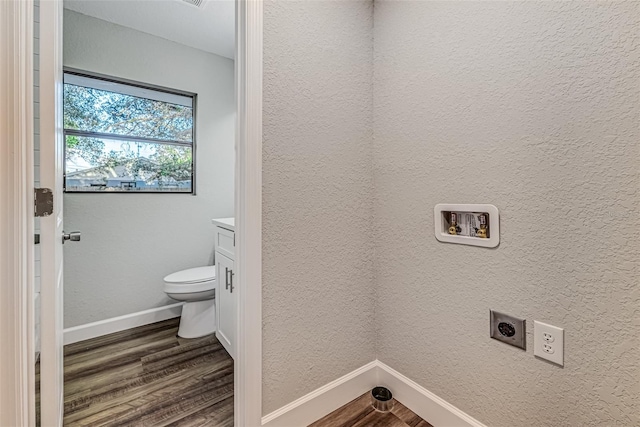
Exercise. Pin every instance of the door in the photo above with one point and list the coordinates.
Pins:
(51, 170)
(227, 304)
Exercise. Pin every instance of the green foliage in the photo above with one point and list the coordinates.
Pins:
(109, 112)
(101, 111)
(171, 161)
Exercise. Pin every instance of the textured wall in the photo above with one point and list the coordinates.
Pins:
(317, 208)
(130, 242)
(533, 107)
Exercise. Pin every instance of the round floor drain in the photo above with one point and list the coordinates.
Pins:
(382, 399)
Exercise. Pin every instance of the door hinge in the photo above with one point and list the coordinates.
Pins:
(43, 201)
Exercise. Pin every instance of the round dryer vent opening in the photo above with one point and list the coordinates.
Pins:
(382, 399)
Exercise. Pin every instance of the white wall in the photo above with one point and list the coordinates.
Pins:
(318, 287)
(131, 241)
(533, 107)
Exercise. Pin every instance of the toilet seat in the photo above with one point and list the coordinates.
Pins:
(199, 279)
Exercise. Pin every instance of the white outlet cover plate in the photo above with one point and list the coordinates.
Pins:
(441, 230)
(548, 342)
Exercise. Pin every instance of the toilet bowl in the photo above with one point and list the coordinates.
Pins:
(196, 287)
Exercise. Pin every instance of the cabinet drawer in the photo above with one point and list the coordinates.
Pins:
(225, 242)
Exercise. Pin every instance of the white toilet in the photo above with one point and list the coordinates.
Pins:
(196, 287)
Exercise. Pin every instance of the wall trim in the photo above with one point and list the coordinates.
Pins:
(121, 323)
(17, 372)
(326, 399)
(426, 404)
(248, 210)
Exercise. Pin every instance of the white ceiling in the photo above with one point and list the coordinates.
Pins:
(210, 27)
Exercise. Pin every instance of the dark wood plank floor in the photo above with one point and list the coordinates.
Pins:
(360, 413)
(147, 376)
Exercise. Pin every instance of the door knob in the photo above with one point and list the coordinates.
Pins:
(73, 236)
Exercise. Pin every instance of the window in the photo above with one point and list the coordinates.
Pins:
(125, 138)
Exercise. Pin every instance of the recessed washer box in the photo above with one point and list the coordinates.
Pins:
(460, 223)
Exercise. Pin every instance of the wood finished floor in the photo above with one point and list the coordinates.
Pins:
(148, 376)
(360, 413)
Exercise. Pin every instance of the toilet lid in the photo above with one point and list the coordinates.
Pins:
(193, 275)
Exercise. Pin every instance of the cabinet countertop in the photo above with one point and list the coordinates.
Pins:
(228, 223)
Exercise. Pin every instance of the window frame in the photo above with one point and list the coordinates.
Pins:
(145, 86)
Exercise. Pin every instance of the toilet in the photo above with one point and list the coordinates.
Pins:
(196, 287)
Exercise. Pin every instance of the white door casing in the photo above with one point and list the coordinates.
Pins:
(248, 213)
(51, 170)
(17, 352)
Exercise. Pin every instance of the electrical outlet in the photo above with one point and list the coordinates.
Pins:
(508, 329)
(548, 342)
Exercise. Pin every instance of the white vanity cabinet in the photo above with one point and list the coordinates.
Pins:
(226, 290)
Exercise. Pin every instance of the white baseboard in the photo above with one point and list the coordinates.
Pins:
(121, 323)
(324, 400)
(328, 398)
(428, 406)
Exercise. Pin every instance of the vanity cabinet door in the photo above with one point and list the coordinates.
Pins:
(227, 303)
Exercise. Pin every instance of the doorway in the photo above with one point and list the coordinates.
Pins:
(247, 233)
(143, 93)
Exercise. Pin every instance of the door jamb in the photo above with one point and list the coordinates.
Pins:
(248, 210)
(17, 351)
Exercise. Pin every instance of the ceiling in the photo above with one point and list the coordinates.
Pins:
(210, 27)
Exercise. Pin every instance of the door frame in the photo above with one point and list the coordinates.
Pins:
(17, 351)
(248, 212)
(17, 395)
